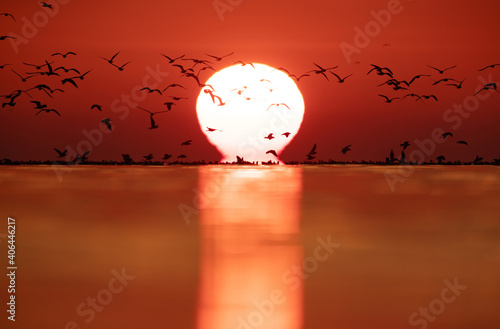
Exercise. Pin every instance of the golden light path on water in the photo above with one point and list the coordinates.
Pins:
(242, 104)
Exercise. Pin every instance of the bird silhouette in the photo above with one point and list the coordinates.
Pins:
(3, 66)
(120, 68)
(81, 76)
(169, 105)
(270, 136)
(458, 86)
(322, 70)
(61, 154)
(213, 129)
(69, 80)
(110, 61)
(96, 106)
(488, 86)
(66, 70)
(418, 77)
(23, 78)
(107, 122)
(46, 5)
(48, 111)
(477, 160)
(148, 157)
(446, 134)
(217, 58)
(405, 145)
(64, 55)
(127, 159)
(341, 80)
(150, 91)
(188, 142)
(277, 105)
(462, 142)
(243, 63)
(7, 15)
(214, 97)
(313, 150)
(273, 152)
(286, 134)
(151, 119)
(346, 149)
(387, 99)
(166, 156)
(381, 70)
(3, 37)
(81, 158)
(177, 98)
(171, 60)
(427, 97)
(444, 80)
(443, 70)
(440, 159)
(39, 105)
(492, 66)
(412, 95)
(182, 156)
(173, 85)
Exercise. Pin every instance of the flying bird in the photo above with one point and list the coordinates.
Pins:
(444, 80)
(418, 77)
(61, 154)
(107, 122)
(171, 60)
(443, 70)
(277, 105)
(462, 142)
(148, 157)
(341, 80)
(273, 152)
(82, 76)
(381, 70)
(110, 61)
(427, 97)
(173, 85)
(405, 145)
(64, 55)
(440, 159)
(182, 156)
(3, 37)
(488, 86)
(3, 66)
(81, 158)
(244, 64)
(458, 86)
(188, 142)
(346, 149)
(286, 134)
(150, 91)
(38, 105)
(96, 106)
(66, 70)
(322, 70)
(23, 78)
(213, 129)
(169, 105)
(120, 68)
(46, 5)
(69, 80)
(7, 15)
(48, 111)
(492, 66)
(387, 99)
(446, 134)
(313, 150)
(218, 59)
(166, 156)
(270, 136)
(151, 119)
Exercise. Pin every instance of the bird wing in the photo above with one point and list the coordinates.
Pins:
(144, 110)
(114, 56)
(153, 123)
(387, 98)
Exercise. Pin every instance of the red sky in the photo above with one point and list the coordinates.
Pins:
(276, 33)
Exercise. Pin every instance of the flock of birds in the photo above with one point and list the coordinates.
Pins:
(191, 68)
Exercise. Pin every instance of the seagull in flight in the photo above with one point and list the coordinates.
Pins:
(22, 78)
(96, 106)
(61, 154)
(387, 99)
(488, 86)
(270, 136)
(213, 129)
(418, 77)
(171, 60)
(148, 157)
(286, 134)
(444, 80)
(443, 70)
(341, 80)
(3, 37)
(322, 70)
(173, 85)
(48, 111)
(169, 105)
(427, 97)
(244, 64)
(381, 70)
(446, 134)
(405, 145)
(462, 142)
(346, 149)
(64, 55)
(277, 105)
(150, 91)
(313, 150)
(188, 142)
(151, 114)
(46, 5)
(107, 122)
(110, 61)
(120, 68)
(69, 80)
(38, 105)
(7, 14)
(492, 66)
(273, 152)
(166, 156)
(218, 59)
(458, 86)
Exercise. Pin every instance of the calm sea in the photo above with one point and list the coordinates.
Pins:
(229, 247)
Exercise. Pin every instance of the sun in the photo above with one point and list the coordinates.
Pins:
(249, 111)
